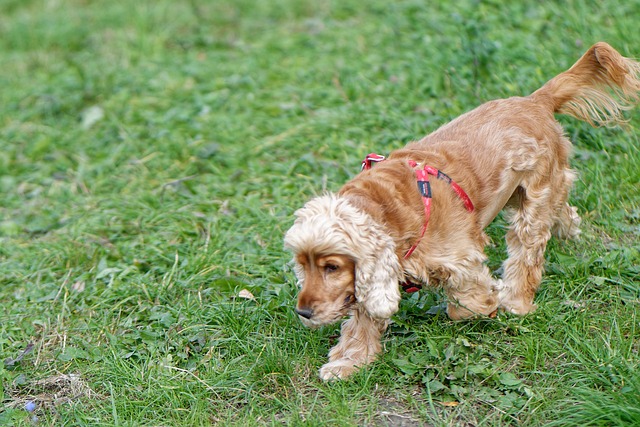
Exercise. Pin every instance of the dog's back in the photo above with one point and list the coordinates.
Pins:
(519, 135)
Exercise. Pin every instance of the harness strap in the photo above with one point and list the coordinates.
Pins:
(424, 186)
(410, 287)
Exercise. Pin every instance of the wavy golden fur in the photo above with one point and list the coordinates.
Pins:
(506, 154)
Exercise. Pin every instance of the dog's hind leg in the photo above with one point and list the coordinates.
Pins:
(567, 220)
(359, 345)
(532, 218)
(535, 211)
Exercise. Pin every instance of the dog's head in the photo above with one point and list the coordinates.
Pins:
(343, 260)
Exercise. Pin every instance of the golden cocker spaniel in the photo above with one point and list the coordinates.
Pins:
(418, 216)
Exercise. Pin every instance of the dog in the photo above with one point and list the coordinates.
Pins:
(418, 217)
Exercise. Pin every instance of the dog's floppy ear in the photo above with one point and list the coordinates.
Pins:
(331, 224)
(378, 274)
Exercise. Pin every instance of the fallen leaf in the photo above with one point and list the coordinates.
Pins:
(246, 295)
(91, 116)
(78, 286)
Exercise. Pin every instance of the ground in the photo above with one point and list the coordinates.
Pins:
(152, 155)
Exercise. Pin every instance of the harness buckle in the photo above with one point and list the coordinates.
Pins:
(371, 158)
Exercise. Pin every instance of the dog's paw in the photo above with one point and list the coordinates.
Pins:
(519, 308)
(337, 370)
(513, 303)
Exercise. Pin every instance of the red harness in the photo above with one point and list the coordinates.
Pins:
(422, 178)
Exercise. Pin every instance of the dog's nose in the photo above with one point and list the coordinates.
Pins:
(304, 312)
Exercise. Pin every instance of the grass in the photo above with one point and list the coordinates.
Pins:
(153, 154)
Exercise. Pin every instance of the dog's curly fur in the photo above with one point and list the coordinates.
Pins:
(511, 153)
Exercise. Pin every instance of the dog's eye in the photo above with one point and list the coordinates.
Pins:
(330, 268)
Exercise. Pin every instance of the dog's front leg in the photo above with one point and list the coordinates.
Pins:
(359, 344)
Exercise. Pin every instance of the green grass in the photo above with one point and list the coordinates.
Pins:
(152, 155)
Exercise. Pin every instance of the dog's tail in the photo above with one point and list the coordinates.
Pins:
(595, 89)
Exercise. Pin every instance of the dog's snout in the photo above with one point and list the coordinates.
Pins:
(304, 312)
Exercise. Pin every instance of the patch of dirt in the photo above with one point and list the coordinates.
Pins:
(51, 392)
(393, 414)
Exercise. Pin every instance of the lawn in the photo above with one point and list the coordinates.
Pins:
(152, 154)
